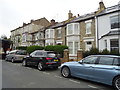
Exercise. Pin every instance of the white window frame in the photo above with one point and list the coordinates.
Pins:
(59, 32)
(73, 30)
(88, 46)
(88, 29)
(73, 48)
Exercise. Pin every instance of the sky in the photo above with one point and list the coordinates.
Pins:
(14, 12)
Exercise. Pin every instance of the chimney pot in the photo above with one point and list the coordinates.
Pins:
(101, 4)
(52, 22)
(70, 15)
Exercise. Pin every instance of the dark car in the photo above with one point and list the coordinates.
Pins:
(99, 68)
(42, 59)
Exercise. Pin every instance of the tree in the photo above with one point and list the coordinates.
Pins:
(5, 43)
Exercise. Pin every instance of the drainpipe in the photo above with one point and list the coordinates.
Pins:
(119, 24)
(97, 35)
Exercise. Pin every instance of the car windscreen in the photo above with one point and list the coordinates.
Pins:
(21, 53)
(51, 54)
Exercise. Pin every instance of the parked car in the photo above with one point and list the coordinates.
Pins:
(16, 55)
(42, 59)
(99, 68)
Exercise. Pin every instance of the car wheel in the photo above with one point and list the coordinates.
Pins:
(116, 82)
(24, 63)
(12, 60)
(65, 72)
(40, 66)
(6, 59)
(55, 67)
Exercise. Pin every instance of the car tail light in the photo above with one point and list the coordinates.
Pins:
(49, 58)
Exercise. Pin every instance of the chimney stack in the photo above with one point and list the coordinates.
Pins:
(31, 20)
(70, 15)
(52, 22)
(24, 24)
(101, 5)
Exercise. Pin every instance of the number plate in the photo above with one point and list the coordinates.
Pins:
(56, 60)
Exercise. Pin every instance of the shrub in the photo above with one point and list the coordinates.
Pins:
(94, 51)
(114, 52)
(105, 52)
(30, 49)
(49, 48)
(60, 49)
(57, 48)
(86, 53)
(21, 47)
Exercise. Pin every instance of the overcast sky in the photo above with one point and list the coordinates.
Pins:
(14, 12)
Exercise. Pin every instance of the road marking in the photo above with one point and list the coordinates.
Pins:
(58, 76)
(28, 68)
(35, 70)
(74, 81)
(92, 86)
(46, 73)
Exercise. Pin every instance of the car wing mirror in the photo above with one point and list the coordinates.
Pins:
(30, 55)
(81, 62)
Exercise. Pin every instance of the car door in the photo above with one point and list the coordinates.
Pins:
(85, 69)
(105, 70)
(35, 57)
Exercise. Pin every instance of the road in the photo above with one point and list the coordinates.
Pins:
(14, 75)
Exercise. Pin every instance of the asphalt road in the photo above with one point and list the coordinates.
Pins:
(14, 75)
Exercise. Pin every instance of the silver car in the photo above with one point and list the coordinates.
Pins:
(16, 55)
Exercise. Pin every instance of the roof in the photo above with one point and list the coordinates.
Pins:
(84, 17)
(116, 32)
(111, 9)
(106, 56)
(42, 21)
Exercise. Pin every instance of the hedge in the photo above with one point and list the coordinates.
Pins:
(57, 48)
(21, 47)
(95, 51)
(30, 49)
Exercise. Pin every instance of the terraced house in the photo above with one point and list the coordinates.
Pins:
(56, 33)
(98, 29)
(108, 28)
(29, 34)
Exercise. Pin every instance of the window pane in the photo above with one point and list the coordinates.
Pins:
(70, 29)
(116, 61)
(70, 45)
(114, 45)
(90, 60)
(76, 28)
(59, 33)
(88, 28)
(76, 47)
(106, 61)
(115, 22)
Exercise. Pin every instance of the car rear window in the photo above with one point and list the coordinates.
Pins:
(21, 53)
(51, 54)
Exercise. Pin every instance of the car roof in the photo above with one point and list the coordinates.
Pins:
(42, 51)
(17, 50)
(115, 56)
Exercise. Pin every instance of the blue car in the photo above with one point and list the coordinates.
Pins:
(99, 68)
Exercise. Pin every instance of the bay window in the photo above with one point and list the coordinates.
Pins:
(115, 21)
(73, 47)
(73, 28)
